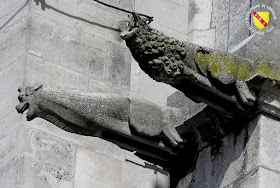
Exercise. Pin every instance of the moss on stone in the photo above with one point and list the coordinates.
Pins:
(202, 60)
(270, 72)
(264, 69)
(214, 66)
(243, 72)
(71, 98)
(228, 65)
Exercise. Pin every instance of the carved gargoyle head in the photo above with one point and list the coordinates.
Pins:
(131, 26)
(26, 99)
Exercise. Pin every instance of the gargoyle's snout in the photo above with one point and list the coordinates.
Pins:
(22, 107)
(26, 101)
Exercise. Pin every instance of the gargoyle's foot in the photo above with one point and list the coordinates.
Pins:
(244, 93)
(26, 103)
(172, 135)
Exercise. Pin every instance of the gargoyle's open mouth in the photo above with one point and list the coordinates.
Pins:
(22, 107)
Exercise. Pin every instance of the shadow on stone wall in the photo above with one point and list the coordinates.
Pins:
(45, 6)
(222, 166)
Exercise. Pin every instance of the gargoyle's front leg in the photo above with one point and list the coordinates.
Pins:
(244, 93)
(169, 119)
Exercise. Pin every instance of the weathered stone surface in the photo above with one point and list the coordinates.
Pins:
(142, 86)
(11, 77)
(165, 13)
(167, 9)
(239, 158)
(199, 15)
(38, 70)
(96, 170)
(100, 59)
(13, 42)
(92, 113)
(171, 61)
(48, 162)
(227, 159)
(101, 87)
(204, 38)
(8, 9)
(220, 20)
(265, 149)
(259, 178)
(188, 108)
(238, 30)
(13, 36)
(118, 70)
(90, 143)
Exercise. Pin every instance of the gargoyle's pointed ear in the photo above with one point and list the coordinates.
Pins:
(135, 16)
(31, 89)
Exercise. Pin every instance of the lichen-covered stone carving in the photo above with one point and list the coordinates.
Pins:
(90, 113)
(178, 63)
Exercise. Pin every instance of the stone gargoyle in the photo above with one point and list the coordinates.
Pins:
(205, 75)
(90, 114)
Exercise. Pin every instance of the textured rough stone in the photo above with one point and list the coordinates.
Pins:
(170, 31)
(203, 38)
(101, 87)
(91, 143)
(167, 9)
(49, 164)
(225, 164)
(165, 13)
(18, 9)
(11, 78)
(239, 160)
(259, 178)
(54, 11)
(238, 30)
(199, 15)
(38, 70)
(92, 113)
(171, 61)
(13, 43)
(142, 86)
(51, 41)
(119, 59)
(220, 20)
(188, 108)
(268, 178)
(267, 150)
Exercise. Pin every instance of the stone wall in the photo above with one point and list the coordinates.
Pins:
(13, 36)
(218, 24)
(74, 44)
(246, 158)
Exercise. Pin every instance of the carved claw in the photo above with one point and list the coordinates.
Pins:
(172, 135)
(26, 101)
